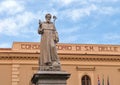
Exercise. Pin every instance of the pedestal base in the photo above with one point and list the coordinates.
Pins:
(50, 78)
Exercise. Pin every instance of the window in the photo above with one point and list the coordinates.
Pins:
(86, 80)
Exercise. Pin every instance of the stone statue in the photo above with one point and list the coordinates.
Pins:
(49, 60)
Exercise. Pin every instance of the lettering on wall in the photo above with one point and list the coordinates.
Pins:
(63, 47)
(30, 46)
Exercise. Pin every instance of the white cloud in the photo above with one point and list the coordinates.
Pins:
(66, 1)
(8, 26)
(21, 23)
(24, 19)
(63, 2)
(11, 7)
(15, 25)
(77, 14)
(77, 9)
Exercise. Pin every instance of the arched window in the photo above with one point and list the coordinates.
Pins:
(85, 80)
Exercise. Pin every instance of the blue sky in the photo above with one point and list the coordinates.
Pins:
(78, 21)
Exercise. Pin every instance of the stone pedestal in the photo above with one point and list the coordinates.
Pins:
(50, 78)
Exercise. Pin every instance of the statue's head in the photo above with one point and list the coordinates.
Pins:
(48, 17)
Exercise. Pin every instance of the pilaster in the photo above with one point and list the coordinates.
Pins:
(15, 74)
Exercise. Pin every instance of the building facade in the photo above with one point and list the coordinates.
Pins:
(87, 63)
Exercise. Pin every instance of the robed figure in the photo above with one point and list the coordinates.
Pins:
(49, 59)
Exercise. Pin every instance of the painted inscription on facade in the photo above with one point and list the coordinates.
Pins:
(70, 47)
(30, 46)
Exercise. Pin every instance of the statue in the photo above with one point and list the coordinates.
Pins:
(49, 60)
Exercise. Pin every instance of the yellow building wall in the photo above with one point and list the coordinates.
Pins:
(19, 63)
(5, 74)
(25, 72)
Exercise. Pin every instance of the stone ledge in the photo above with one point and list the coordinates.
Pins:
(50, 77)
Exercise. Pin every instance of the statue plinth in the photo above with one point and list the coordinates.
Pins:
(50, 78)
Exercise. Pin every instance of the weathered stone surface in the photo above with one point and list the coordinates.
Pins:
(49, 37)
(50, 78)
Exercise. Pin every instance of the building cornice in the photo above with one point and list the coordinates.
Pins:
(67, 57)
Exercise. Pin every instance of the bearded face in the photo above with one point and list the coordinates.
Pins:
(48, 18)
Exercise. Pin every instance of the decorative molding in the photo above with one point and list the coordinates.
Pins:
(63, 57)
(90, 58)
(81, 68)
(18, 58)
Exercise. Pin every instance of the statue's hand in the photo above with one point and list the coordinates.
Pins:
(40, 31)
(57, 40)
(40, 22)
